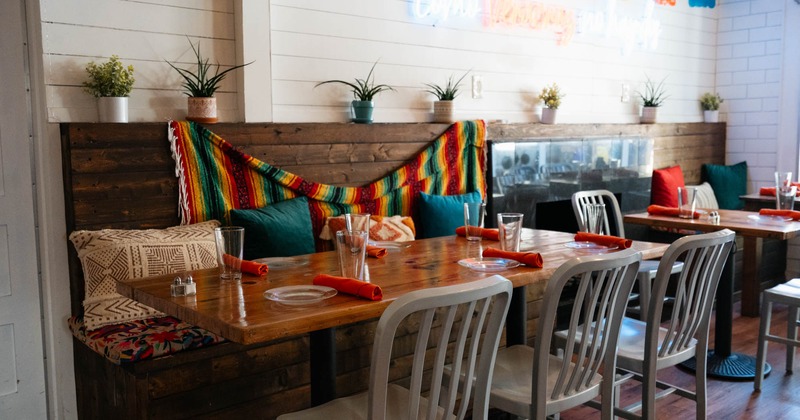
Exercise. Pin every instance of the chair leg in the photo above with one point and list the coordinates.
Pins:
(701, 382)
(649, 390)
(791, 334)
(763, 330)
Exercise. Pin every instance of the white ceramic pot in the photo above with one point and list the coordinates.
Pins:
(711, 116)
(443, 111)
(548, 116)
(649, 115)
(112, 109)
(202, 110)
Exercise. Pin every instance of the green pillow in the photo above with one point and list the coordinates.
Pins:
(440, 215)
(728, 182)
(279, 230)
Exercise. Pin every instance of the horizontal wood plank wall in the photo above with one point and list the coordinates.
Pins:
(122, 176)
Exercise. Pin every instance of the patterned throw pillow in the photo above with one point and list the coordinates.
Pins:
(381, 228)
(110, 255)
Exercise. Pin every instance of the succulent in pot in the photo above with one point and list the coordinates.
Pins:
(111, 83)
(551, 98)
(363, 92)
(443, 110)
(710, 103)
(653, 97)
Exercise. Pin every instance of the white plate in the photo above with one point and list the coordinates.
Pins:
(591, 247)
(488, 264)
(390, 244)
(279, 263)
(759, 218)
(300, 295)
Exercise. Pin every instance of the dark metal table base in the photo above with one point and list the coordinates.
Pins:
(733, 366)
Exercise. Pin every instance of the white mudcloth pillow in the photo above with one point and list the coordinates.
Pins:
(705, 197)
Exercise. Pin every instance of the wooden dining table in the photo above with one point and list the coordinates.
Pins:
(239, 311)
(754, 229)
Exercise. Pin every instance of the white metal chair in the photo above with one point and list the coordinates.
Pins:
(612, 225)
(531, 382)
(787, 294)
(647, 347)
(455, 313)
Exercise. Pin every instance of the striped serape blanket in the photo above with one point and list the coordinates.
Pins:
(214, 177)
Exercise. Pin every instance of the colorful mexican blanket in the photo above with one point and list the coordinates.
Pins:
(214, 177)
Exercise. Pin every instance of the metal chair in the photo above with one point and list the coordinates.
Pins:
(531, 382)
(787, 294)
(646, 347)
(612, 225)
(452, 313)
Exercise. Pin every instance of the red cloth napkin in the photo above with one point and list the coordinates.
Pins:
(794, 214)
(491, 234)
(771, 190)
(350, 286)
(531, 259)
(376, 251)
(250, 267)
(657, 210)
(606, 240)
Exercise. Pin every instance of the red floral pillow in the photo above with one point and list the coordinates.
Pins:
(664, 186)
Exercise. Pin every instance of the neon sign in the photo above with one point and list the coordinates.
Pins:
(443, 9)
(532, 15)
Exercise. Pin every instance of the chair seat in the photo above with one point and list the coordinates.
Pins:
(630, 348)
(511, 382)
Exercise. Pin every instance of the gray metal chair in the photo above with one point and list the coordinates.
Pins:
(531, 382)
(449, 321)
(648, 268)
(787, 294)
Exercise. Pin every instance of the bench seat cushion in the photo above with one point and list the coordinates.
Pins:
(132, 341)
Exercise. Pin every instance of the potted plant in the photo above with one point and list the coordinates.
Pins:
(551, 97)
(652, 98)
(443, 107)
(110, 83)
(363, 92)
(201, 85)
(710, 103)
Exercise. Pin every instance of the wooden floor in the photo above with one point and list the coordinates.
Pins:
(778, 399)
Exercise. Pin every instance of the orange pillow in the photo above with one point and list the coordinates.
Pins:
(664, 186)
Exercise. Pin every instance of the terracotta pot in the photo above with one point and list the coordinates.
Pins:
(548, 116)
(443, 111)
(711, 116)
(202, 110)
(112, 109)
(649, 115)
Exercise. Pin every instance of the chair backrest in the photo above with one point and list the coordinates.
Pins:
(603, 285)
(456, 313)
(704, 257)
(612, 222)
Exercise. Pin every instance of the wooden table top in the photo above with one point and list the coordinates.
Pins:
(241, 313)
(742, 222)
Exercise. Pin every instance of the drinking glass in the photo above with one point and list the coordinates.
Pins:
(509, 226)
(357, 221)
(473, 220)
(687, 198)
(351, 246)
(595, 217)
(230, 250)
(784, 191)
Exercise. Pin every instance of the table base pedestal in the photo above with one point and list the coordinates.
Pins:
(734, 366)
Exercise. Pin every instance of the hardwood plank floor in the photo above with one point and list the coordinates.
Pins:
(779, 397)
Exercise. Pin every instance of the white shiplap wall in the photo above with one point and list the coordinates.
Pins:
(315, 40)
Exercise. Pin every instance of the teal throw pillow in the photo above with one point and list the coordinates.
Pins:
(440, 215)
(279, 230)
(728, 183)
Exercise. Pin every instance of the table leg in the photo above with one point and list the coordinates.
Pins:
(516, 317)
(323, 365)
(751, 284)
(722, 362)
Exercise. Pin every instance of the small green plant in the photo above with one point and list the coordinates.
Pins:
(449, 91)
(654, 94)
(202, 84)
(710, 101)
(109, 79)
(551, 96)
(363, 89)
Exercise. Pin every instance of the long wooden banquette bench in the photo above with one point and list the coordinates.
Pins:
(122, 176)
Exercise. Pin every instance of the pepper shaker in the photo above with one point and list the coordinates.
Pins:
(177, 288)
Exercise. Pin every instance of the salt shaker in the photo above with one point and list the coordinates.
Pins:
(190, 286)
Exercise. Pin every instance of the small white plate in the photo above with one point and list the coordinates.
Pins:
(390, 244)
(279, 263)
(589, 247)
(759, 218)
(300, 295)
(488, 264)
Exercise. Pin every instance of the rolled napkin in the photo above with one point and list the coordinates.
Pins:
(794, 214)
(376, 251)
(250, 267)
(657, 210)
(491, 234)
(770, 191)
(531, 259)
(350, 286)
(606, 240)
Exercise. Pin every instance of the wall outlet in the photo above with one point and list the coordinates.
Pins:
(626, 93)
(477, 87)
